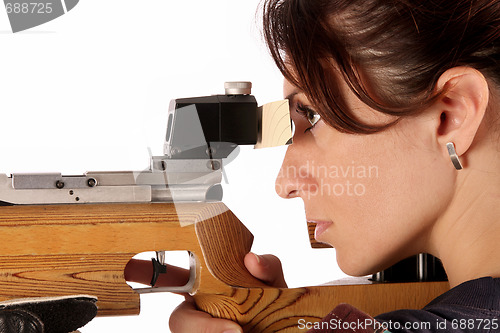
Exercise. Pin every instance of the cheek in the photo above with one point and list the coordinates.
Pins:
(382, 198)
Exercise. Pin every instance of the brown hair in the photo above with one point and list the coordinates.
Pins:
(399, 48)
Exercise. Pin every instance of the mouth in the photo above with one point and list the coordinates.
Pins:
(321, 227)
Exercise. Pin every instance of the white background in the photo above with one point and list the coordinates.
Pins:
(89, 91)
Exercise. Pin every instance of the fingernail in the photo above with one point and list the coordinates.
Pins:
(257, 257)
(232, 331)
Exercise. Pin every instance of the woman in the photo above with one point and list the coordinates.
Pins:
(412, 88)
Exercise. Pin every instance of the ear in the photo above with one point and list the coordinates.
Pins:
(461, 107)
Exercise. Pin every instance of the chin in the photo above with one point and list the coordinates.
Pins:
(357, 272)
(357, 266)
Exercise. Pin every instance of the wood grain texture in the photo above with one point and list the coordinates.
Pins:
(279, 310)
(314, 243)
(40, 276)
(83, 249)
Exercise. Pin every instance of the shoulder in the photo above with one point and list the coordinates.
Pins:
(471, 306)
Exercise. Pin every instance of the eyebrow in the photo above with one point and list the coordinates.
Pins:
(291, 95)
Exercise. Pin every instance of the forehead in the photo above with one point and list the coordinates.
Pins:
(288, 88)
(290, 91)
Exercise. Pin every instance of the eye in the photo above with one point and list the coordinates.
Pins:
(312, 116)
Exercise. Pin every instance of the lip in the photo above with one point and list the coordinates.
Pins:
(321, 227)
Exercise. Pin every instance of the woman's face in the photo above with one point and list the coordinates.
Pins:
(374, 197)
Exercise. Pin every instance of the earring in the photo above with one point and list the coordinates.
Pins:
(453, 155)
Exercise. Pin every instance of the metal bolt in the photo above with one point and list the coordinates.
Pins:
(213, 165)
(59, 184)
(91, 182)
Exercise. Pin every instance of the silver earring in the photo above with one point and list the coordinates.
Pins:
(453, 155)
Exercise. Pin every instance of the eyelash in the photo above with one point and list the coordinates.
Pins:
(305, 112)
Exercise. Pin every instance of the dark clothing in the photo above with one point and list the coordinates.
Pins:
(473, 306)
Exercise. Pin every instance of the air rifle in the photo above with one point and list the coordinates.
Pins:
(67, 235)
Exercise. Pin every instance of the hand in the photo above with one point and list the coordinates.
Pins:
(186, 318)
(266, 268)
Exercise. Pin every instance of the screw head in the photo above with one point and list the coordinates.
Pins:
(213, 165)
(91, 182)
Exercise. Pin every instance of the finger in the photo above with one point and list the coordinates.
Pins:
(186, 318)
(141, 271)
(266, 268)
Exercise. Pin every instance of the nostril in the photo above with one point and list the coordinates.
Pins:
(287, 189)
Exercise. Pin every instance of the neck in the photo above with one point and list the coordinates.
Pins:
(465, 238)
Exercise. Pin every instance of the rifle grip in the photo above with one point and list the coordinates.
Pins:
(257, 307)
(267, 310)
(225, 241)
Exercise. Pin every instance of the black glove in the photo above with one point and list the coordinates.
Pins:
(47, 314)
(19, 321)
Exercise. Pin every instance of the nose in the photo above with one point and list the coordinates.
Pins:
(294, 178)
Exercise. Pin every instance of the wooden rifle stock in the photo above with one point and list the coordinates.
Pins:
(55, 250)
